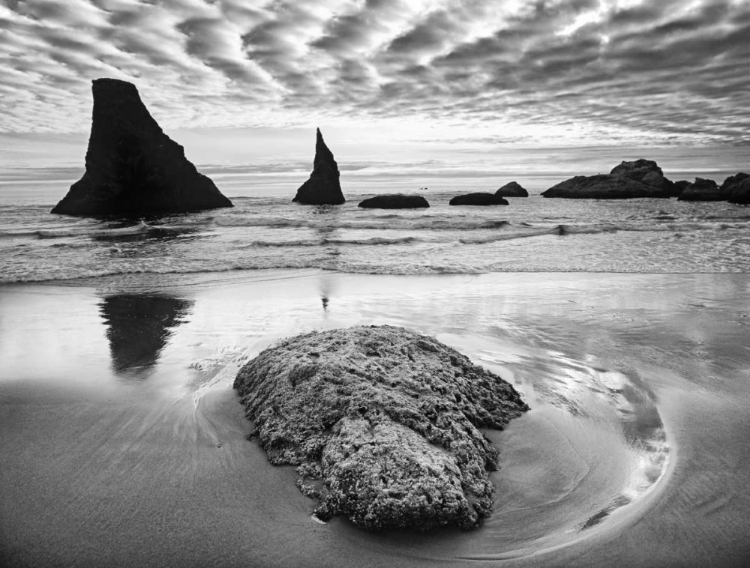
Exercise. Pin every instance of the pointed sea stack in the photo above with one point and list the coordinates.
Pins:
(323, 187)
(132, 167)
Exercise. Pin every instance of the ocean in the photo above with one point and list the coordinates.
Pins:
(624, 325)
(266, 230)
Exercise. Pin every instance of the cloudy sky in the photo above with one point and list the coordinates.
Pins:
(472, 74)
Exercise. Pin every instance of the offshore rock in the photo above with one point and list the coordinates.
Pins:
(382, 424)
(512, 189)
(703, 190)
(132, 167)
(394, 201)
(679, 186)
(323, 187)
(732, 183)
(647, 172)
(602, 186)
(741, 191)
(478, 199)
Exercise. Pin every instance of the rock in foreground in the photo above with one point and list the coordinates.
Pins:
(323, 187)
(395, 201)
(478, 199)
(132, 167)
(512, 189)
(382, 424)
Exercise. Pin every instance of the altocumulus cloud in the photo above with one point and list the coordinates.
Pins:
(530, 70)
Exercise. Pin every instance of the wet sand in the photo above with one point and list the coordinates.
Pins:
(123, 443)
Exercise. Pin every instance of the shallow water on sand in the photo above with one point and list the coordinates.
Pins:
(123, 442)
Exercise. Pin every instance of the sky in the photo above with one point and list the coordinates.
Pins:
(247, 81)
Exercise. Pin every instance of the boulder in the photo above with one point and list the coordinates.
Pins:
(382, 424)
(703, 190)
(732, 183)
(647, 172)
(132, 167)
(512, 189)
(741, 192)
(394, 201)
(679, 186)
(602, 186)
(478, 199)
(323, 186)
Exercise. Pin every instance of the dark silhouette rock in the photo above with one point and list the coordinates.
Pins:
(394, 201)
(382, 424)
(647, 172)
(478, 199)
(323, 187)
(512, 189)
(132, 167)
(139, 328)
(602, 186)
(741, 191)
(679, 186)
(732, 182)
(702, 190)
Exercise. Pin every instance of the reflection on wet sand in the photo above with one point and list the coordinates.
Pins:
(138, 328)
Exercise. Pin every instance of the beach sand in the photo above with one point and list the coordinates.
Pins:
(123, 443)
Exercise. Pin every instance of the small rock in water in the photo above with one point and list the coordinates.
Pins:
(382, 424)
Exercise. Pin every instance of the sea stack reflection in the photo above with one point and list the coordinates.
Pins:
(323, 186)
(132, 167)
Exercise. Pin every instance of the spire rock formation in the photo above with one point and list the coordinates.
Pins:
(132, 167)
(323, 187)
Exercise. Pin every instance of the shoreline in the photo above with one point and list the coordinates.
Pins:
(127, 429)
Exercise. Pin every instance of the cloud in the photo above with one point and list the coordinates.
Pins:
(539, 70)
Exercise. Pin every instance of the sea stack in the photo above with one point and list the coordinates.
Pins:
(323, 187)
(637, 179)
(384, 425)
(132, 167)
(512, 189)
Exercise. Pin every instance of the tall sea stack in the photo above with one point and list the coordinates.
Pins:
(132, 167)
(323, 187)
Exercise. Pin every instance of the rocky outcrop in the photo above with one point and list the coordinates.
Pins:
(395, 201)
(648, 173)
(679, 186)
(602, 186)
(732, 183)
(382, 424)
(512, 189)
(741, 191)
(702, 190)
(641, 178)
(478, 199)
(132, 167)
(323, 187)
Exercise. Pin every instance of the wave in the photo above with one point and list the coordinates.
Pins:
(329, 241)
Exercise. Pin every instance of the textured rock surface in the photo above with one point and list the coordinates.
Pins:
(395, 201)
(382, 424)
(741, 192)
(703, 190)
(478, 199)
(732, 185)
(647, 172)
(602, 186)
(679, 186)
(323, 187)
(512, 189)
(132, 167)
